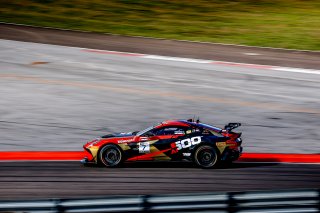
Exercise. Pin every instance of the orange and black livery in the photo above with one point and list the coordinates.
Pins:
(173, 140)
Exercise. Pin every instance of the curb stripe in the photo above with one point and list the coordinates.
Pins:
(203, 61)
(78, 155)
(41, 155)
(280, 158)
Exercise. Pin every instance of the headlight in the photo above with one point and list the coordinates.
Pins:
(94, 142)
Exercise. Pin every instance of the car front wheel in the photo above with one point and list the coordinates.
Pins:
(111, 156)
(206, 157)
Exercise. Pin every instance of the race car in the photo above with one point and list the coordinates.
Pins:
(173, 140)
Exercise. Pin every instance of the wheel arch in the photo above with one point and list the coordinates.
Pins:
(195, 160)
(206, 142)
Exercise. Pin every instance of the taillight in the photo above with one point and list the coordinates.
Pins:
(239, 141)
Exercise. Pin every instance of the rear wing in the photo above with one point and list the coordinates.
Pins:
(231, 126)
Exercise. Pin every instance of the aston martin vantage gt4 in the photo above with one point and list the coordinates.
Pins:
(174, 140)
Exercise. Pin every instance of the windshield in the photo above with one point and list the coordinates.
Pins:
(144, 131)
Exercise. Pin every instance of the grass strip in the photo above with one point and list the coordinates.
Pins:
(293, 24)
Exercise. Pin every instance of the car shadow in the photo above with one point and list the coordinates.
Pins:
(183, 164)
(247, 165)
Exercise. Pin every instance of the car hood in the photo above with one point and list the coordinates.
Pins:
(119, 135)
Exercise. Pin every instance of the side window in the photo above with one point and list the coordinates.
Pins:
(171, 131)
(198, 130)
(206, 132)
(149, 133)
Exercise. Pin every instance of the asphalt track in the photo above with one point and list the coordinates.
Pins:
(55, 98)
(21, 180)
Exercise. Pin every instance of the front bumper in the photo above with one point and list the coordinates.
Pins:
(89, 157)
(84, 160)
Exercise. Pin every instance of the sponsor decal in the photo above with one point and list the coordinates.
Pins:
(174, 149)
(221, 144)
(179, 132)
(125, 141)
(186, 154)
(185, 143)
(143, 138)
(144, 147)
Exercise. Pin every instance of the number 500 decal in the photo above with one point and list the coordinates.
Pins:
(185, 143)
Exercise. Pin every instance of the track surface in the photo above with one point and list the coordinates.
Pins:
(57, 98)
(20, 180)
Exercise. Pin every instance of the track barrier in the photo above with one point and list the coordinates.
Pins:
(293, 201)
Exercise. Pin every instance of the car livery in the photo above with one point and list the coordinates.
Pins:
(174, 140)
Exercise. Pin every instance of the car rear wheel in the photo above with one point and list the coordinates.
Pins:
(206, 157)
(111, 155)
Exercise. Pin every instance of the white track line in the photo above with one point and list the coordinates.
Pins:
(167, 58)
(193, 60)
(202, 61)
(299, 70)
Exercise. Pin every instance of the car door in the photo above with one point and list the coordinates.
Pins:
(162, 140)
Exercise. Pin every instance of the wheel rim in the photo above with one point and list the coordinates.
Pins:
(207, 157)
(112, 156)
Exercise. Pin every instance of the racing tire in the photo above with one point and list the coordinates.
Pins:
(206, 157)
(111, 156)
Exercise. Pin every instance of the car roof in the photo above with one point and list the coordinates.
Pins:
(185, 123)
(172, 123)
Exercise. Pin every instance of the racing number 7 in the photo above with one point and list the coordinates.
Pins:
(144, 147)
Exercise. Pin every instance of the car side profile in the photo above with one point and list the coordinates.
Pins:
(174, 140)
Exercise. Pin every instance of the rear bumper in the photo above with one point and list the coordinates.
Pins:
(232, 154)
